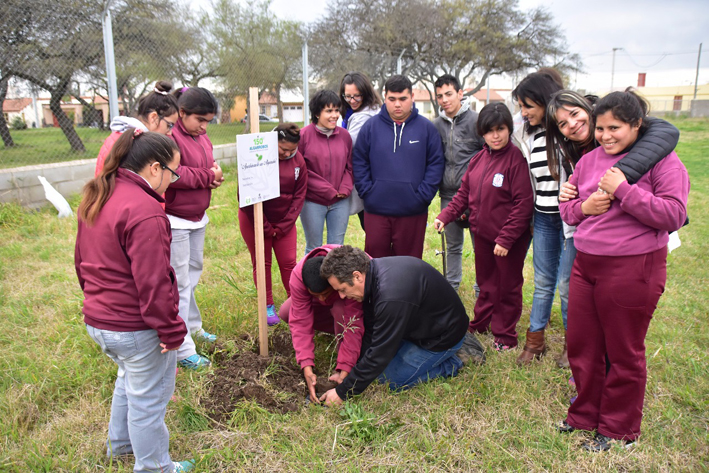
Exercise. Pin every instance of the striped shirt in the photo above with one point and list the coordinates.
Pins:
(546, 188)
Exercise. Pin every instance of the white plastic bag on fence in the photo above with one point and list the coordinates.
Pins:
(56, 199)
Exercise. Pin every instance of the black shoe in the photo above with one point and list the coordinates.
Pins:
(563, 427)
(471, 351)
(601, 443)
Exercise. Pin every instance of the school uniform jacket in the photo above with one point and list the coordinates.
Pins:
(329, 161)
(497, 190)
(188, 197)
(123, 264)
(280, 214)
(347, 319)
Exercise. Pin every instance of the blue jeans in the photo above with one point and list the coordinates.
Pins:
(186, 256)
(553, 257)
(313, 218)
(413, 365)
(145, 384)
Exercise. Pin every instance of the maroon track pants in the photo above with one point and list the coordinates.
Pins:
(394, 236)
(284, 247)
(611, 302)
(499, 305)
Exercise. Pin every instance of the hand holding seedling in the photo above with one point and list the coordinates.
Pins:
(310, 380)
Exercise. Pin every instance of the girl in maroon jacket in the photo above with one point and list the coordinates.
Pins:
(280, 214)
(185, 205)
(327, 149)
(122, 260)
(497, 190)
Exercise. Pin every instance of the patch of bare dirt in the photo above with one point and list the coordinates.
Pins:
(274, 382)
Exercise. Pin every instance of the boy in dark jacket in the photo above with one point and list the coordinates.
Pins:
(457, 124)
(414, 322)
(397, 179)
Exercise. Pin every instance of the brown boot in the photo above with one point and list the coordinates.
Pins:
(563, 360)
(534, 348)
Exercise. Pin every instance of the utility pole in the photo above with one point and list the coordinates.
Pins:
(696, 78)
(613, 67)
(487, 100)
(306, 92)
(110, 61)
(398, 62)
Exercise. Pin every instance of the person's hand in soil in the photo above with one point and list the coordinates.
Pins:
(339, 376)
(331, 398)
(310, 380)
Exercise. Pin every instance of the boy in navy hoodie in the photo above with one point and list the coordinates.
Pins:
(397, 178)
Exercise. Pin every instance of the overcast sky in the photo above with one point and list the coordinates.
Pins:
(658, 37)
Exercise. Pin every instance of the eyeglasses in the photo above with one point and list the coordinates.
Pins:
(174, 176)
(355, 97)
(169, 124)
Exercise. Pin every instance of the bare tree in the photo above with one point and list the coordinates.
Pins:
(471, 40)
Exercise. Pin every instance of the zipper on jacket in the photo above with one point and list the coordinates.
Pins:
(204, 151)
(480, 189)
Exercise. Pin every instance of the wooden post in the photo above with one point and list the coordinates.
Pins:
(258, 233)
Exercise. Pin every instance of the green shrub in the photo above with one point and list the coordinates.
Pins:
(18, 123)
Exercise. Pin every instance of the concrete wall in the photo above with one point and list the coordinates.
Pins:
(700, 108)
(21, 184)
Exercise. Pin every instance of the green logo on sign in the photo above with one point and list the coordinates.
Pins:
(259, 157)
(258, 141)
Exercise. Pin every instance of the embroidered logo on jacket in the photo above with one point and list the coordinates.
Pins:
(297, 173)
(412, 142)
(497, 180)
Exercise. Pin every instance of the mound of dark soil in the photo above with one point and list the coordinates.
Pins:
(274, 382)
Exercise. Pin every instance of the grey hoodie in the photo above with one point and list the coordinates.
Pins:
(460, 143)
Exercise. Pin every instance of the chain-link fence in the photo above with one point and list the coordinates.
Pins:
(53, 70)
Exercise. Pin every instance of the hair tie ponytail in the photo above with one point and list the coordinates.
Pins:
(161, 92)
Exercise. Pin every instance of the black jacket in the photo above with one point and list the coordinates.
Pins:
(659, 140)
(405, 298)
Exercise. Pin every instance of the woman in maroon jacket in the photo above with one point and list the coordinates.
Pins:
(122, 260)
(280, 214)
(185, 205)
(497, 190)
(327, 149)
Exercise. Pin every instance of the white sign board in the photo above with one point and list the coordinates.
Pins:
(257, 160)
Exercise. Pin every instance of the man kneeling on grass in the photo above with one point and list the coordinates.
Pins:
(415, 325)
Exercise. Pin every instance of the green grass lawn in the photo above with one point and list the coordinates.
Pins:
(55, 387)
(49, 145)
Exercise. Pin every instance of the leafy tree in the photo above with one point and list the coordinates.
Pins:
(254, 49)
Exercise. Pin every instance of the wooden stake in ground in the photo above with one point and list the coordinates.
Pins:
(258, 233)
(257, 160)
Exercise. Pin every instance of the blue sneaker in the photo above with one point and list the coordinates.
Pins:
(272, 317)
(194, 362)
(206, 336)
(183, 466)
